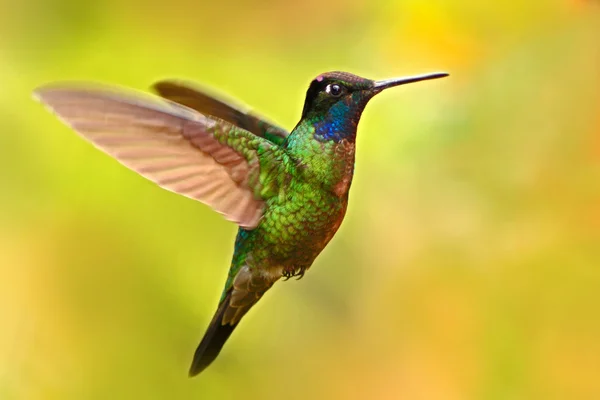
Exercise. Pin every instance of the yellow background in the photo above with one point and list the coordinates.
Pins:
(468, 266)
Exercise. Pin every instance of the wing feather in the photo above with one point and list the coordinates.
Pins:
(192, 96)
(180, 149)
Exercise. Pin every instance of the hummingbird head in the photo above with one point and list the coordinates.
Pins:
(335, 101)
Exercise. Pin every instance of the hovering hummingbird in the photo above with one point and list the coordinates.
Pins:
(287, 191)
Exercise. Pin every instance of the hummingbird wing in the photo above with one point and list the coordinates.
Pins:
(203, 158)
(190, 95)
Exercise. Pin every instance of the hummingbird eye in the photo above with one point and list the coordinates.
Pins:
(334, 89)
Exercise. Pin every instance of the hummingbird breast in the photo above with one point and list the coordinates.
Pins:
(304, 224)
(296, 229)
(299, 222)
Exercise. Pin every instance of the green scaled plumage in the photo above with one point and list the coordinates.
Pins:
(288, 192)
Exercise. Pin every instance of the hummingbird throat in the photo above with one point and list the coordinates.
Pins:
(341, 120)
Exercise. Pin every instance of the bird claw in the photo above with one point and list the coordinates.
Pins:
(289, 273)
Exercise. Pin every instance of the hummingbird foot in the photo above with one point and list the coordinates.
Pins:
(291, 272)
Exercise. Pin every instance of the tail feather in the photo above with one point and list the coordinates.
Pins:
(246, 289)
(215, 337)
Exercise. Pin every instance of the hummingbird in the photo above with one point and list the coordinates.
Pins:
(287, 191)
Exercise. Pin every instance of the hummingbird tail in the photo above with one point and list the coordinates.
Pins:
(246, 289)
(215, 337)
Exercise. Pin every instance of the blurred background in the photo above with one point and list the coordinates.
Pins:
(468, 266)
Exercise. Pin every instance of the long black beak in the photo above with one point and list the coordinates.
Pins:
(388, 83)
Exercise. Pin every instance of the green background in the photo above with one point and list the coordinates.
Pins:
(468, 266)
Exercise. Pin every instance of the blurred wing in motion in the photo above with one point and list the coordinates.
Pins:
(183, 151)
(187, 94)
